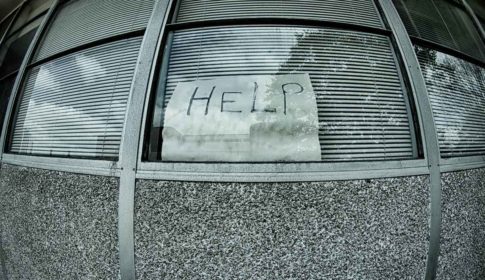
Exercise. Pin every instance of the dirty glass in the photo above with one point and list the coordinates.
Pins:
(444, 22)
(457, 93)
(246, 94)
(75, 105)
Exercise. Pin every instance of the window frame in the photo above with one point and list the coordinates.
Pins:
(460, 162)
(277, 171)
(101, 162)
(131, 166)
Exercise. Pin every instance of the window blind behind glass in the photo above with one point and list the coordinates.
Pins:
(361, 109)
(457, 93)
(75, 105)
(361, 12)
(83, 21)
(441, 22)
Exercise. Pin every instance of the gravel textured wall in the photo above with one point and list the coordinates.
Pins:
(57, 225)
(366, 229)
(462, 254)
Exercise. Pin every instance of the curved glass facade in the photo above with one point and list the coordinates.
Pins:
(328, 139)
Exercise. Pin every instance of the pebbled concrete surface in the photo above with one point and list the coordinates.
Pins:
(58, 225)
(364, 229)
(462, 251)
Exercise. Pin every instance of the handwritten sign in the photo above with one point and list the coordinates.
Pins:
(242, 118)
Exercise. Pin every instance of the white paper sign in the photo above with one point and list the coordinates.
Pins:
(242, 118)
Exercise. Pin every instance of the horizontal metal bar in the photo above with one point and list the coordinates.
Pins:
(89, 45)
(302, 172)
(277, 172)
(426, 43)
(80, 166)
(278, 21)
(462, 163)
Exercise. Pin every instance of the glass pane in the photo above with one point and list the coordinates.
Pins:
(361, 12)
(6, 86)
(29, 11)
(478, 7)
(457, 93)
(80, 22)
(13, 51)
(74, 106)
(443, 22)
(4, 24)
(280, 94)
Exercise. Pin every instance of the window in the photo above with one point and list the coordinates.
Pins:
(457, 93)
(455, 80)
(15, 45)
(74, 96)
(444, 22)
(267, 90)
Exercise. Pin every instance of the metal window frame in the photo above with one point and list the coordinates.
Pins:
(131, 135)
(130, 166)
(263, 172)
(90, 166)
(430, 144)
(21, 76)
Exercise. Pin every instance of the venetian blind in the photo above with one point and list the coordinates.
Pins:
(83, 21)
(75, 105)
(362, 110)
(361, 12)
(457, 93)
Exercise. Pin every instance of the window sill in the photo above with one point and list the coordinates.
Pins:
(279, 172)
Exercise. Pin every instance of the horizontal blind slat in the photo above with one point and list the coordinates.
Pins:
(83, 21)
(362, 12)
(457, 95)
(361, 107)
(79, 111)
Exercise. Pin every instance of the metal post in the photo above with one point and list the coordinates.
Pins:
(16, 88)
(430, 138)
(131, 135)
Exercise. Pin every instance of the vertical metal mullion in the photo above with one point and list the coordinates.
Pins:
(476, 21)
(406, 95)
(176, 11)
(131, 136)
(21, 73)
(428, 129)
(16, 88)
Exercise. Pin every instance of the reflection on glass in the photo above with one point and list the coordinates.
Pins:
(4, 24)
(30, 10)
(6, 86)
(444, 22)
(478, 7)
(351, 88)
(13, 52)
(457, 93)
(74, 106)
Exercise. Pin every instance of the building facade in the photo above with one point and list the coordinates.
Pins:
(203, 139)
